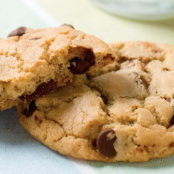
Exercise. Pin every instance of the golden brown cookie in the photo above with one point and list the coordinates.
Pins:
(34, 62)
(123, 115)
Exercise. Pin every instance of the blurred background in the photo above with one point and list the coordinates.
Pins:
(85, 16)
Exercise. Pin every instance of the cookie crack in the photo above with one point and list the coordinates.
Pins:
(69, 100)
(47, 131)
(46, 46)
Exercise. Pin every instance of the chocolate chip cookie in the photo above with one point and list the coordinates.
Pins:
(35, 62)
(122, 115)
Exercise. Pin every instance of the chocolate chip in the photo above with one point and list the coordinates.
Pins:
(41, 90)
(105, 142)
(68, 25)
(30, 109)
(79, 65)
(172, 121)
(171, 145)
(34, 38)
(94, 144)
(18, 32)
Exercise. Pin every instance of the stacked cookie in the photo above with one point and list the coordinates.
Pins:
(83, 99)
(35, 62)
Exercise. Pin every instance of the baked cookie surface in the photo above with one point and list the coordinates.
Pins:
(122, 115)
(33, 62)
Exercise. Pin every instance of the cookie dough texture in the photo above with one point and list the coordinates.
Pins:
(123, 115)
(30, 58)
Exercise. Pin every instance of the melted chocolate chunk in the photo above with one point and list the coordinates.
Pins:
(68, 25)
(41, 90)
(105, 142)
(18, 32)
(30, 109)
(81, 65)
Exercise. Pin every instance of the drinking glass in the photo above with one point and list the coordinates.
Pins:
(139, 9)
